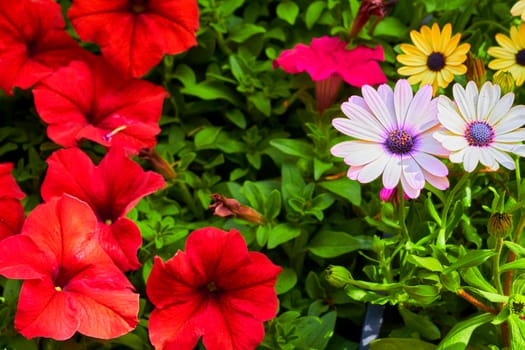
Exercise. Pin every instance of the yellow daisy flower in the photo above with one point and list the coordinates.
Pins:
(510, 55)
(519, 9)
(435, 58)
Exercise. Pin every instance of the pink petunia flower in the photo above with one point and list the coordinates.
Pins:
(393, 131)
(111, 189)
(70, 284)
(92, 101)
(215, 289)
(11, 210)
(33, 42)
(329, 62)
(134, 34)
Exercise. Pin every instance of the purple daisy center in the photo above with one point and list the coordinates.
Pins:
(479, 133)
(399, 142)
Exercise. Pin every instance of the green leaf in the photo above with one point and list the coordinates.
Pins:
(244, 31)
(329, 244)
(472, 258)
(293, 147)
(315, 332)
(451, 281)
(459, 336)
(429, 263)
(517, 331)
(421, 324)
(313, 12)
(391, 27)
(273, 205)
(493, 297)
(400, 343)
(423, 294)
(474, 278)
(515, 265)
(261, 102)
(288, 10)
(282, 233)
(209, 90)
(346, 188)
(286, 280)
(206, 137)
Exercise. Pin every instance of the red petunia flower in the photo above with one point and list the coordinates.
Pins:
(134, 34)
(11, 210)
(33, 42)
(111, 189)
(92, 101)
(70, 282)
(329, 62)
(216, 289)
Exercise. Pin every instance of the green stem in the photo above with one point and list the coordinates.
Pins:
(441, 239)
(495, 265)
(401, 213)
(518, 179)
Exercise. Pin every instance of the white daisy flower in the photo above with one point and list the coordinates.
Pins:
(481, 128)
(393, 132)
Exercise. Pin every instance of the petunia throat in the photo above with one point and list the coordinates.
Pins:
(138, 6)
(399, 142)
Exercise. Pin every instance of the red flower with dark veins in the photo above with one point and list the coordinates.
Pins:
(215, 289)
(11, 210)
(70, 284)
(33, 42)
(92, 101)
(133, 35)
(111, 189)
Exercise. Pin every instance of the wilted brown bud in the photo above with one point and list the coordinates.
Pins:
(505, 81)
(225, 207)
(500, 224)
(158, 163)
(338, 276)
(475, 70)
(368, 8)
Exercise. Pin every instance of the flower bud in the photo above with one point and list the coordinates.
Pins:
(505, 80)
(337, 276)
(499, 225)
(475, 70)
(517, 305)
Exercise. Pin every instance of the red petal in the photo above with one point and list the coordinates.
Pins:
(8, 186)
(11, 217)
(120, 241)
(172, 282)
(214, 253)
(177, 327)
(44, 312)
(134, 43)
(20, 258)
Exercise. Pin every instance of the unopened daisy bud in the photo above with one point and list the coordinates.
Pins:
(475, 69)
(499, 225)
(337, 276)
(517, 305)
(505, 80)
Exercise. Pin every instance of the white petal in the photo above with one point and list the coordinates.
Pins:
(410, 191)
(378, 106)
(487, 158)
(372, 170)
(430, 164)
(353, 172)
(466, 100)
(450, 142)
(402, 99)
(359, 131)
(423, 109)
(514, 136)
(439, 182)
(357, 152)
(503, 158)
(488, 97)
(513, 120)
(471, 159)
(449, 116)
(501, 108)
(387, 95)
(412, 173)
(392, 172)
(457, 157)
(519, 149)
